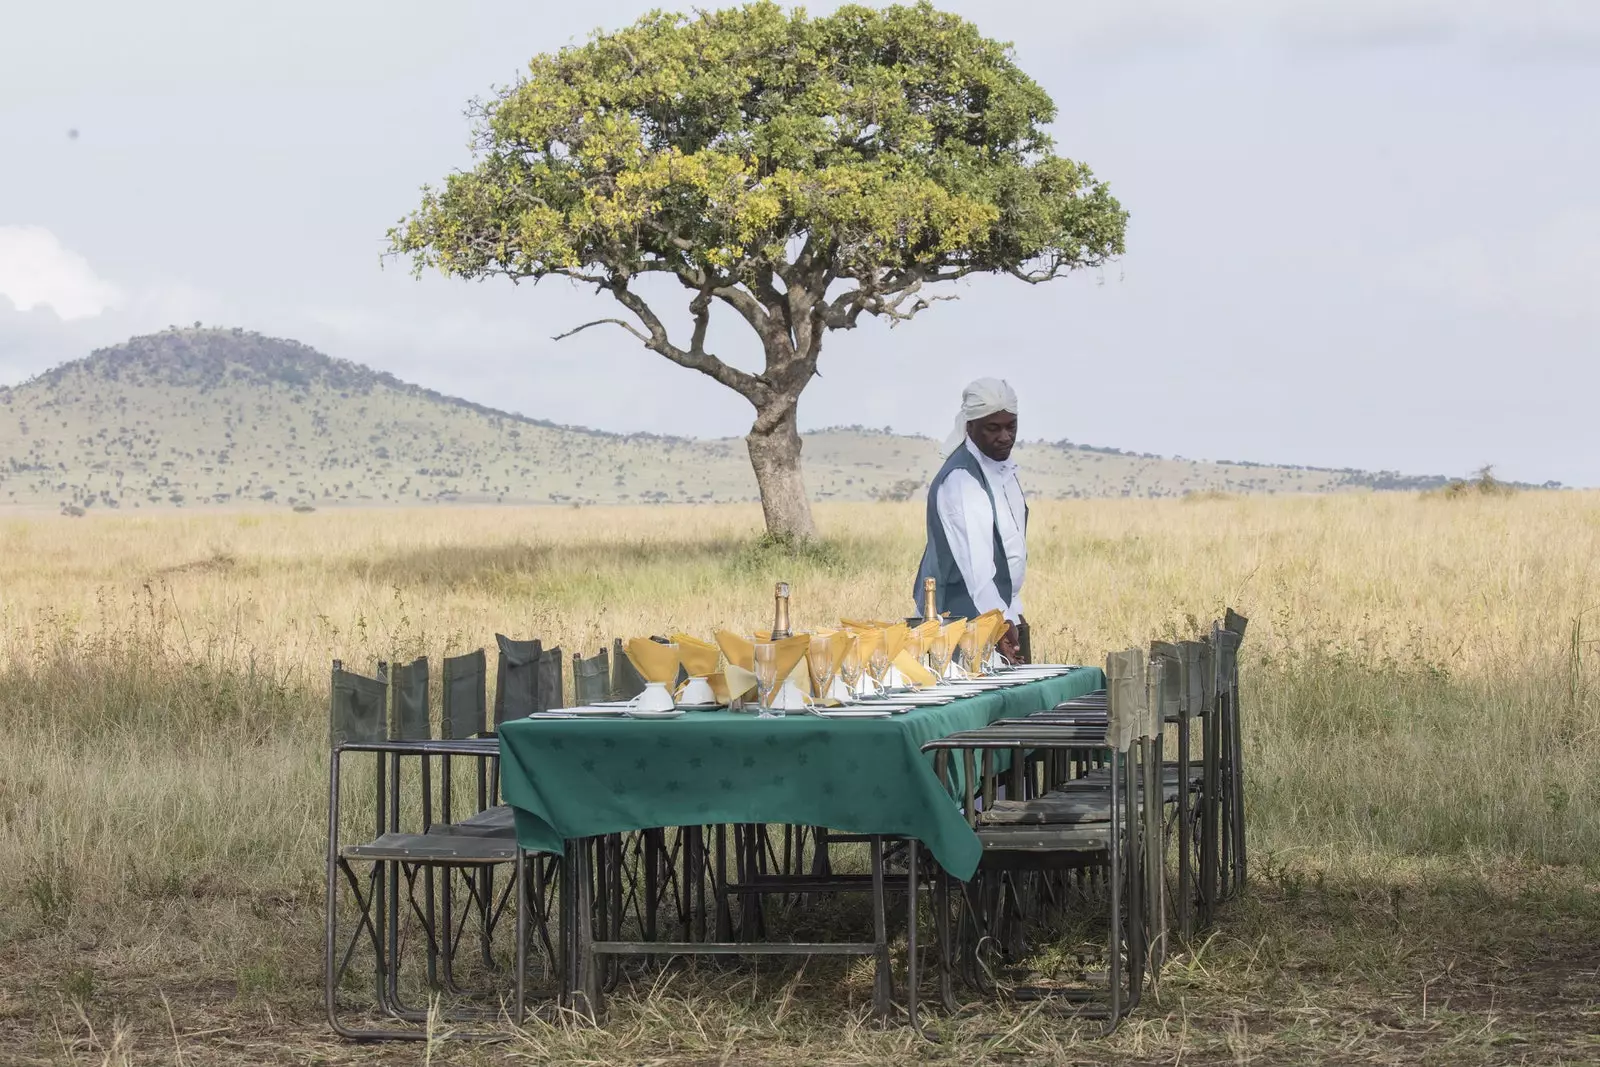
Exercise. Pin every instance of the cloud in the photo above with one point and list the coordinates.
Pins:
(36, 270)
(1547, 271)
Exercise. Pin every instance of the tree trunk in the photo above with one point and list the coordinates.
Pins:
(774, 443)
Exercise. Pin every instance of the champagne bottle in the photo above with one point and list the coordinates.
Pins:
(930, 599)
(780, 612)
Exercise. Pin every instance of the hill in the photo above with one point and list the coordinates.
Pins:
(210, 416)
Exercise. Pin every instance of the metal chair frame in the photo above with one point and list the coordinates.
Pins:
(359, 724)
(1107, 827)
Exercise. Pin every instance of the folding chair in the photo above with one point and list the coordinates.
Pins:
(1054, 831)
(1227, 636)
(358, 722)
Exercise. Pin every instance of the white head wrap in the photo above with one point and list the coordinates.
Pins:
(983, 397)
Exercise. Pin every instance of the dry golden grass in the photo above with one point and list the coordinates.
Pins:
(1423, 747)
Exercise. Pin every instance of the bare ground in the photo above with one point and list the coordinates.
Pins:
(1463, 966)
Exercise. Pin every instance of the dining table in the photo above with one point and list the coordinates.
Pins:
(570, 778)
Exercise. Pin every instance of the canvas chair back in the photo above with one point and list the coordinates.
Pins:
(548, 681)
(1127, 699)
(627, 682)
(357, 709)
(591, 678)
(408, 686)
(1225, 649)
(465, 695)
(1166, 659)
(516, 681)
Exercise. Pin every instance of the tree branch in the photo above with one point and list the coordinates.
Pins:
(697, 358)
(630, 327)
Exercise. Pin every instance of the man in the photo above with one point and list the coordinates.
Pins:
(977, 516)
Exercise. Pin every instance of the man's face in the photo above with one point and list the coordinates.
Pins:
(994, 434)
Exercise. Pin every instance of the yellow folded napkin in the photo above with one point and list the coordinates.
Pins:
(868, 642)
(925, 631)
(739, 650)
(739, 676)
(839, 646)
(954, 630)
(991, 624)
(654, 661)
(699, 657)
(864, 624)
(913, 672)
(722, 683)
(895, 638)
(791, 661)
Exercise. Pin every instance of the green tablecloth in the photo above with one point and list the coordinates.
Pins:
(569, 778)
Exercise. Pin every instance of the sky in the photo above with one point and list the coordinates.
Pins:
(1363, 233)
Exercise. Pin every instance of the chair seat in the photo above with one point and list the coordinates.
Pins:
(1052, 809)
(431, 848)
(1092, 837)
(1096, 779)
(490, 822)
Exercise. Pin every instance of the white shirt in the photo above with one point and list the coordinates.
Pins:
(969, 525)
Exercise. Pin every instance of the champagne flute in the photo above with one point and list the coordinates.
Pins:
(879, 665)
(984, 664)
(969, 650)
(938, 656)
(914, 650)
(819, 657)
(850, 667)
(766, 664)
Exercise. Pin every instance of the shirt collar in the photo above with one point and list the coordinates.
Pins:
(994, 468)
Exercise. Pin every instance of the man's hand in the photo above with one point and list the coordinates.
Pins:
(1010, 644)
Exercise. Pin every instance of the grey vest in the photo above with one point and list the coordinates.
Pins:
(939, 563)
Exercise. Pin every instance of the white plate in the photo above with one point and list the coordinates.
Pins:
(640, 713)
(854, 713)
(588, 711)
(875, 706)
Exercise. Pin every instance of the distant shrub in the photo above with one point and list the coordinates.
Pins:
(902, 490)
(1481, 484)
(304, 509)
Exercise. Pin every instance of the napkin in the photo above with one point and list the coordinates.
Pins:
(839, 646)
(895, 638)
(954, 630)
(654, 661)
(832, 644)
(913, 672)
(739, 677)
(991, 624)
(864, 624)
(741, 667)
(793, 670)
(800, 676)
(866, 642)
(699, 657)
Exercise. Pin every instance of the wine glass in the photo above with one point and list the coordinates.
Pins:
(819, 657)
(938, 656)
(766, 664)
(987, 657)
(969, 650)
(878, 664)
(850, 666)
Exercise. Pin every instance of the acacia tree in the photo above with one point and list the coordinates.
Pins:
(797, 172)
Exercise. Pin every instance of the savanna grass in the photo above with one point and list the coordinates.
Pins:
(1422, 726)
